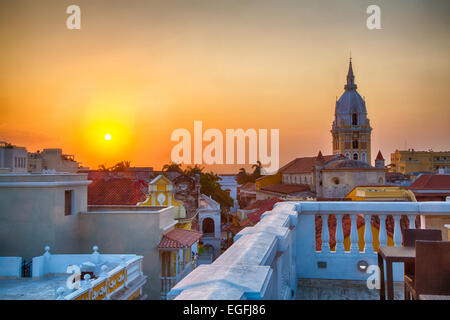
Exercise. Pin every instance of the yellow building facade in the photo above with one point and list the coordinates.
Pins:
(406, 161)
(381, 193)
(161, 193)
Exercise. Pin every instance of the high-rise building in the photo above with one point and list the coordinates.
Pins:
(351, 129)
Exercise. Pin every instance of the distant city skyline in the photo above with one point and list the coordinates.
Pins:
(137, 70)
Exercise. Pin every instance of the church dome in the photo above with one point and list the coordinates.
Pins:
(350, 103)
(347, 164)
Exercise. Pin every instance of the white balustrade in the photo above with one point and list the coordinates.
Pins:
(383, 232)
(368, 238)
(339, 234)
(354, 247)
(249, 276)
(325, 235)
(368, 234)
(412, 221)
(397, 231)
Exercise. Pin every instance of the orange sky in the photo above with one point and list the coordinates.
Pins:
(141, 69)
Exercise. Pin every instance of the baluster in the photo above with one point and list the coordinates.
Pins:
(383, 232)
(339, 234)
(325, 235)
(368, 234)
(397, 231)
(354, 234)
(412, 221)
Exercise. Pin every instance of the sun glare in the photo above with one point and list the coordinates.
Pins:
(107, 136)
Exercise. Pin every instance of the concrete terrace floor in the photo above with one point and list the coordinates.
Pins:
(321, 289)
(28, 289)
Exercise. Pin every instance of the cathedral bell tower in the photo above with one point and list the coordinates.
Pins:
(351, 129)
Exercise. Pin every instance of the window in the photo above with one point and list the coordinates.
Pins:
(355, 156)
(355, 119)
(355, 144)
(363, 157)
(68, 202)
(208, 226)
(335, 180)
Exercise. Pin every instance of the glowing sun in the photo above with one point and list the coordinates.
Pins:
(107, 136)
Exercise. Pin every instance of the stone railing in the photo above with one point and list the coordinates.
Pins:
(351, 263)
(266, 260)
(183, 269)
(126, 273)
(167, 283)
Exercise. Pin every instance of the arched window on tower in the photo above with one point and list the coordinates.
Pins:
(355, 144)
(355, 156)
(363, 157)
(354, 119)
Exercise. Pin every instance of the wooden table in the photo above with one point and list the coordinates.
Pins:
(390, 255)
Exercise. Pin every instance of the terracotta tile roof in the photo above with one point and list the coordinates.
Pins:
(431, 182)
(257, 204)
(116, 191)
(255, 216)
(245, 223)
(303, 165)
(179, 238)
(285, 188)
(395, 176)
(233, 229)
(127, 174)
(249, 187)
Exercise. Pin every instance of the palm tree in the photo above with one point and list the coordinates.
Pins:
(257, 170)
(192, 171)
(172, 167)
(242, 177)
(102, 167)
(121, 166)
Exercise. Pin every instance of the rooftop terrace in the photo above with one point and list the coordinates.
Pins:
(323, 289)
(278, 257)
(73, 277)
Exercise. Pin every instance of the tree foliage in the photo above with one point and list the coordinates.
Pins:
(243, 176)
(209, 183)
(120, 166)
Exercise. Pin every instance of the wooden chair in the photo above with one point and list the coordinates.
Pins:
(432, 269)
(409, 240)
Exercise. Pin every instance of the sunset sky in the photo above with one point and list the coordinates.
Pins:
(138, 70)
